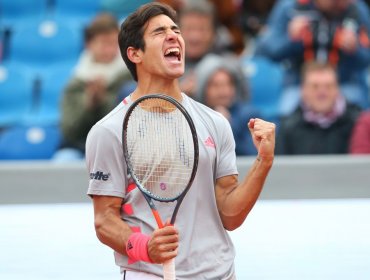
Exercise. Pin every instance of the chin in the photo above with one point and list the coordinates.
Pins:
(177, 74)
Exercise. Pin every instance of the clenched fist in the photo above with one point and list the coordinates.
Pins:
(263, 135)
(163, 244)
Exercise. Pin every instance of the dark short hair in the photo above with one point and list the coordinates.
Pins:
(101, 24)
(132, 29)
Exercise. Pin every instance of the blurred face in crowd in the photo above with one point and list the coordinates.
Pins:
(320, 90)
(198, 33)
(220, 90)
(104, 46)
(333, 6)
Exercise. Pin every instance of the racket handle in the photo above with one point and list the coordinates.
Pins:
(169, 270)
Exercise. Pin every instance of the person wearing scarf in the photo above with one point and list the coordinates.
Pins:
(93, 89)
(323, 122)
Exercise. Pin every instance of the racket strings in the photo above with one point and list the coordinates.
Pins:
(160, 148)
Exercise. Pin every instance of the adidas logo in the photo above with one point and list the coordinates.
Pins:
(99, 175)
(129, 245)
(209, 142)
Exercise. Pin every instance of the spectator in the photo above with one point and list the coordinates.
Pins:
(198, 26)
(360, 140)
(226, 13)
(93, 89)
(255, 15)
(330, 31)
(323, 123)
(221, 86)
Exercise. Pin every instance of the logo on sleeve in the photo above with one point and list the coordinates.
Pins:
(100, 176)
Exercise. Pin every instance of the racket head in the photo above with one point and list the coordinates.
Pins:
(160, 147)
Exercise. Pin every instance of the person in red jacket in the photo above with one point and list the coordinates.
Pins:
(360, 140)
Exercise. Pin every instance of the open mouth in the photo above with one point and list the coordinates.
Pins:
(173, 54)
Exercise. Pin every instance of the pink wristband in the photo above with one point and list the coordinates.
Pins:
(137, 247)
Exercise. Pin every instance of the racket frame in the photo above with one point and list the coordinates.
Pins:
(148, 195)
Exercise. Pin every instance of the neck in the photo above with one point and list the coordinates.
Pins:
(157, 86)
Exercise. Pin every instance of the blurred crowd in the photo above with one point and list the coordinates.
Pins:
(303, 64)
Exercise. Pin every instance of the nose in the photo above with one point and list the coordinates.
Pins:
(172, 35)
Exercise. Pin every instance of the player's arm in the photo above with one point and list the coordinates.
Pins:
(115, 233)
(235, 200)
(109, 227)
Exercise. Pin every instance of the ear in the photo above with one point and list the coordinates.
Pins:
(134, 55)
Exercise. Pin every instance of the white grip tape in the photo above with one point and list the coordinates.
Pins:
(169, 270)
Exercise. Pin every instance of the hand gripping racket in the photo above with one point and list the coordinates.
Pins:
(161, 150)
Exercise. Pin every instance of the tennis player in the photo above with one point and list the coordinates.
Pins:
(153, 49)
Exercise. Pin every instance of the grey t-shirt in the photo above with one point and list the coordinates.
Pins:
(205, 250)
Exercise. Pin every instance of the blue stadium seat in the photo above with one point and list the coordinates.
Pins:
(265, 79)
(51, 85)
(29, 143)
(16, 12)
(122, 8)
(77, 13)
(2, 43)
(16, 88)
(41, 44)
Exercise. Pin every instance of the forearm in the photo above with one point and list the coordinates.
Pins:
(239, 200)
(110, 228)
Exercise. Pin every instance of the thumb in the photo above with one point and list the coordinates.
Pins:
(251, 125)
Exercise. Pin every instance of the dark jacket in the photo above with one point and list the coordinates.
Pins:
(297, 136)
(276, 44)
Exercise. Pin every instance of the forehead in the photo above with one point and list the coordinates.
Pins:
(159, 21)
(320, 76)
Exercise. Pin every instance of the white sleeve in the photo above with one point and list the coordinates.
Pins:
(226, 158)
(105, 163)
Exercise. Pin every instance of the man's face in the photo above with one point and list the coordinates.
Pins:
(104, 47)
(164, 49)
(198, 33)
(220, 90)
(320, 90)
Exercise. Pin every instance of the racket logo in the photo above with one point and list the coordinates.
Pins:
(163, 186)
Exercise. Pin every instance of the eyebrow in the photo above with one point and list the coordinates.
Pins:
(163, 28)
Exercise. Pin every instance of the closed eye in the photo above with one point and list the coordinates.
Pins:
(162, 30)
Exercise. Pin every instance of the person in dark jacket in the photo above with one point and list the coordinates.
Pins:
(323, 122)
(335, 32)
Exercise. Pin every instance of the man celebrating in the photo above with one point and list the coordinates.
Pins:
(153, 50)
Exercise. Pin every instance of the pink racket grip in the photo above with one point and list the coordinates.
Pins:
(169, 272)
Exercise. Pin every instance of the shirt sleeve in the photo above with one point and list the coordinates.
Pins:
(105, 163)
(226, 160)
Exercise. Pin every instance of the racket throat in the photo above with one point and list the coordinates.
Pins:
(157, 218)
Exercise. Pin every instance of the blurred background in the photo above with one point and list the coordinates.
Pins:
(302, 64)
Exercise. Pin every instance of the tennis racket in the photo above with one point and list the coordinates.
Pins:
(161, 150)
